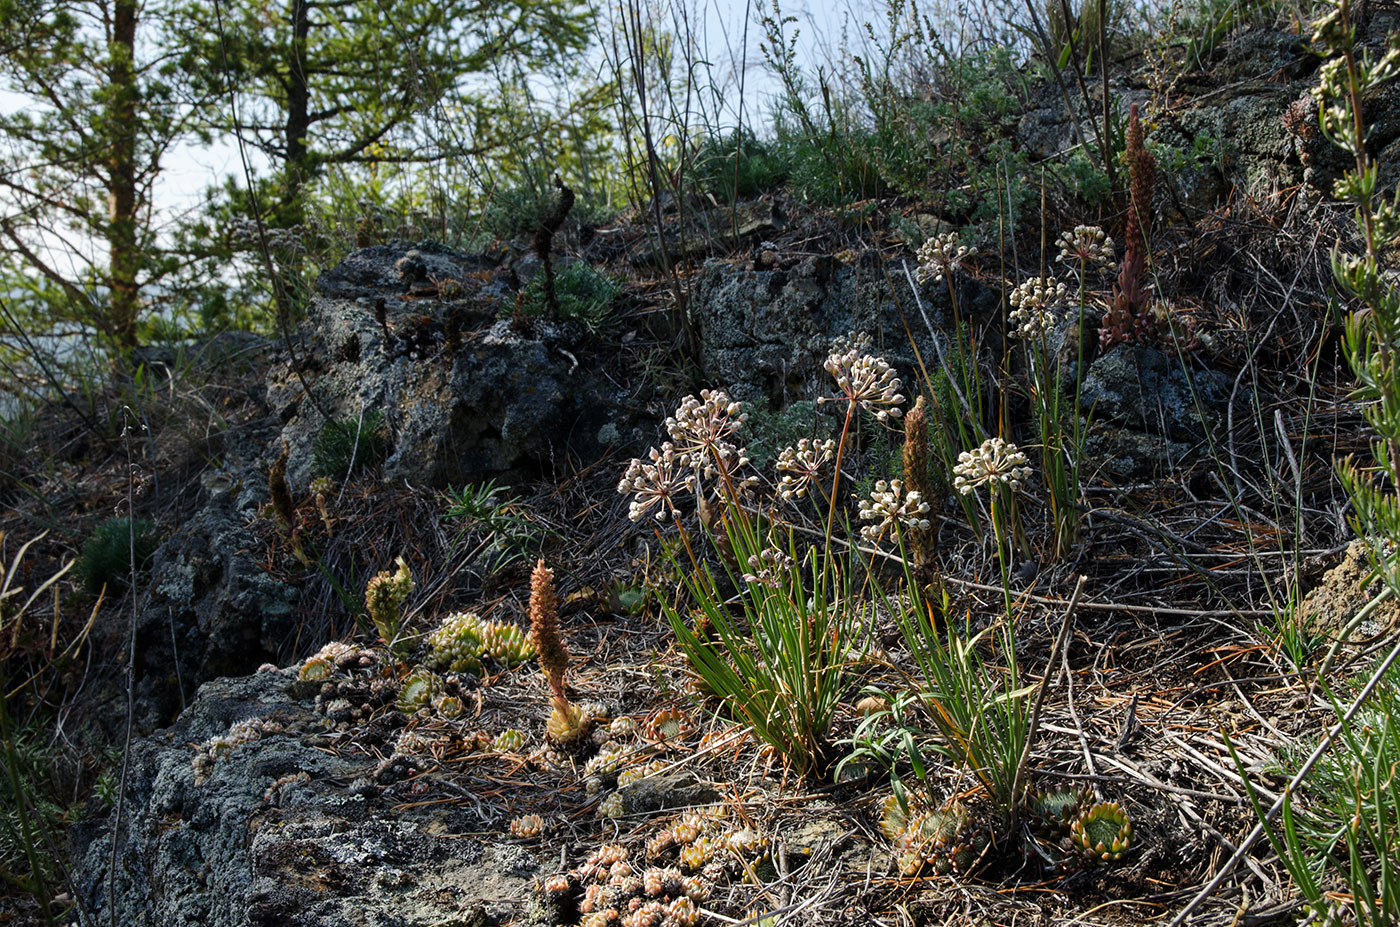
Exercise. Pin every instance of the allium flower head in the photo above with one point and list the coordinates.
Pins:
(996, 461)
(801, 465)
(1039, 293)
(1034, 301)
(768, 565)
(1087, 244)
(940, 256)
(889, 503)
(657, 484)
(701, 429)
(866, 380)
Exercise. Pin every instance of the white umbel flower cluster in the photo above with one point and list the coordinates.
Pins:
(656, 485)
(701, 429)
(868, 381)
(996, 461)
(940, 256)
(1034, 301)
(1087, 244)
(888, 504)
(801, 465)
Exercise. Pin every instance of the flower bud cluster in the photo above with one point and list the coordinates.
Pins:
(1087, 244)
(656, 485)
(867, 381)
(940, 256)
(888, 504)
(801, 465)
(996, 461)
(768, 566)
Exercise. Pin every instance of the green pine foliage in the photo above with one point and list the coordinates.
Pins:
(115, 547)
(347, 446)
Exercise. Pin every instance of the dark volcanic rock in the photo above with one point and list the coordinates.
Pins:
(502, 401)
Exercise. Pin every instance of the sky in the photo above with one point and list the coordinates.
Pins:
(719, 26)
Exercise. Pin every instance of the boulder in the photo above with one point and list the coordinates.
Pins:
(278, 833)
(765, 331)
(501, 400)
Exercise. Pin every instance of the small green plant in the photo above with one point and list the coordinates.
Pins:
(385, 595)
(464, 638)
(499, 529)
(947, 840)
(585, 295)
(980, 706)
(345, 447)
(117, 547)
(29, 817)
(737, 165)
(884, 739)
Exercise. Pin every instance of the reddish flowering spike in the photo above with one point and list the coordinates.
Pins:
(544, 629)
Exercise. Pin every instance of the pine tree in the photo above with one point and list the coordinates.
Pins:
(318, 83)
(81, 157)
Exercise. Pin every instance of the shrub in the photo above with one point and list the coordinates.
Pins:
(115, 547)
(738, 165)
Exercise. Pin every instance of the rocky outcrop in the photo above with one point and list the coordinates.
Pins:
(269, 828)
(212, 608)
(766, 327)
(464, 395)
(1150, 411)
(1243, 120)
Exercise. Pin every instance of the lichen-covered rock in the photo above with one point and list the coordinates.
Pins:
(1229, 127)
(765, 333)
(1150, 410)
(275, 836)
(1345, 589)
(462, 394)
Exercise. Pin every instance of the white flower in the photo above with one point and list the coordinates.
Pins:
(940, 256)
(996, 461)
(1087, 244)
(1034, 301)
(889, 503)
(801, 465)
(657, 484)
(867, 381)
(701, 429)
